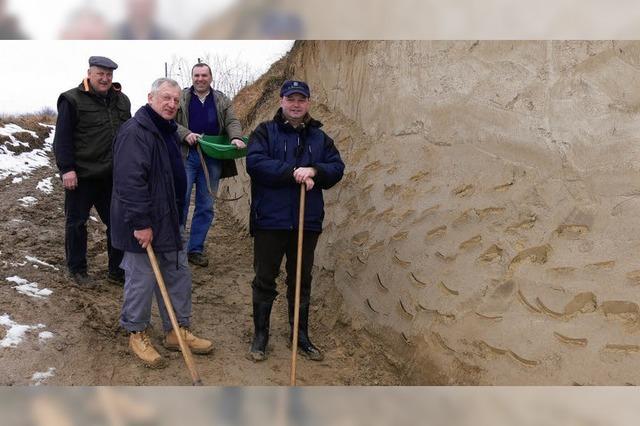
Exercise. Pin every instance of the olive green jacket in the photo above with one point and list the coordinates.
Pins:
(97, 122)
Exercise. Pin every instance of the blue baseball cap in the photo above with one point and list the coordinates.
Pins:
(295, 86)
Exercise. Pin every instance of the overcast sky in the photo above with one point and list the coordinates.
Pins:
(34, 73)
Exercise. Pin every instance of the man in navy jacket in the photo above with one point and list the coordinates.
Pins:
(147, 207)
(284, 153)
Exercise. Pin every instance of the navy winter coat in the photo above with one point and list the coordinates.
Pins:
(275, 150)
(143, 187)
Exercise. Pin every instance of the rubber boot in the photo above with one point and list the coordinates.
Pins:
(305, 347)
(261, 316)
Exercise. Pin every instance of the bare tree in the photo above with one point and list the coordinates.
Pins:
(229, 74)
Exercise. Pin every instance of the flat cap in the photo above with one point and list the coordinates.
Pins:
(103, 62)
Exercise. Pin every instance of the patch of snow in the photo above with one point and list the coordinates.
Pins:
(39, 377)
(93, 218)
(14, 264)
(16, 180)
(10, 129)
(15, 332)
(40, 262)
(22, 164)
(44, 335)
(27, 201)
(29, 289)
(45, 186)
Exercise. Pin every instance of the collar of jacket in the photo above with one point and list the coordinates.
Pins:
(166, 127)
(143, 117)
(308, 121)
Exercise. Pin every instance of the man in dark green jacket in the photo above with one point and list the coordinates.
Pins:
(89, 117)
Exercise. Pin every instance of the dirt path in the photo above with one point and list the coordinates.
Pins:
(89, 348)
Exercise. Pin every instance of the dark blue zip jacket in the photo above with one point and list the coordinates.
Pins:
(143, 187)
(275, 150)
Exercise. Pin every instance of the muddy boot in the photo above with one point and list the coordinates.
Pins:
(82, 280)
(116, 277)
(305, 347)
(142, 348)
(196, 344)
(198, 259)
(261, 316)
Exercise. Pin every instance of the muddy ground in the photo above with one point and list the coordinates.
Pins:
(89, 348)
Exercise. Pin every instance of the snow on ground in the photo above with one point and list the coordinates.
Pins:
(45, 186)
(10, 129)
(27, 201)
(45, 335)
(15, 331)
(29, 289)
(22, 164)
(40, 377)
(40, 262)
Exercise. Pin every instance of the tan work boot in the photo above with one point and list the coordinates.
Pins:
(196, 344)
(143, 349)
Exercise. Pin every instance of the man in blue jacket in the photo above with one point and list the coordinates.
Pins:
(147, 207)
(284, 153)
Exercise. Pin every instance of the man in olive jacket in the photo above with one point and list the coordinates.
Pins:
(204, 111)
(89, 117)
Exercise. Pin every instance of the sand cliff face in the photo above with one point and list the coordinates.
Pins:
(487, 226)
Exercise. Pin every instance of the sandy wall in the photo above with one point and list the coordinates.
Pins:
(487, 223)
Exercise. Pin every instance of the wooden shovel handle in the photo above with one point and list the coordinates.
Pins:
(296, 312)
(186, 352)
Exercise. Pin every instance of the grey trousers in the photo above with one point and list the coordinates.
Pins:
(140, 285)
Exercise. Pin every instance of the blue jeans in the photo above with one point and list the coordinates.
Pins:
(203, 213)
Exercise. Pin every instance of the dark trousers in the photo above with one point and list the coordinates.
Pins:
(77, 205)
(268, 249)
